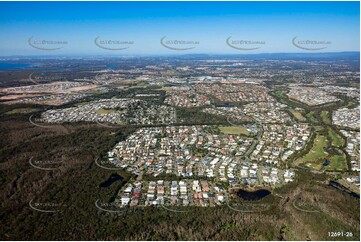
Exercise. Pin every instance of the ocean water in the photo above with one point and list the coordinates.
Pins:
(13, 66)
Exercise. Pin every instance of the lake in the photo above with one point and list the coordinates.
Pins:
(113, 178)
(254, 195)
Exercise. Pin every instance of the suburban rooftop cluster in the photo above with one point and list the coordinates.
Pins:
(261, 112)
(347, 117)
(51, 99)
(186, 97)
(180, 150)
(176, 193)
(311, 95)
(117, 111)
(234, 92)
(279, 142)
(348, 91)
(192, 152)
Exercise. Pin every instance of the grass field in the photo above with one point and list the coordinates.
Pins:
(338, 163)
(104, 111)
(325, 117)
(319, 128)
(298, 115)
(141, 84)
(311, 116)
(316, 156)
(22, 110)
(167, 88)
(234, 130)
(336, 139)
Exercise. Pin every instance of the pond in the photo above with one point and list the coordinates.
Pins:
(326, 162)
(113, 178)
(254, 195)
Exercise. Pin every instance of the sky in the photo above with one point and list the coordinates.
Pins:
(137, 28)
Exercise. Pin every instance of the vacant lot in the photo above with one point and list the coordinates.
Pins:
(104, 111)
(234, 130)
(22, 110)
(298, 115)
